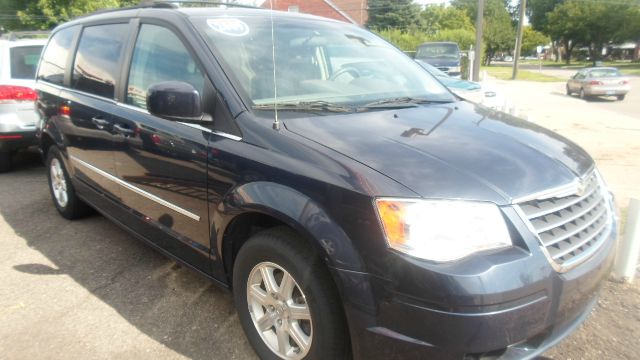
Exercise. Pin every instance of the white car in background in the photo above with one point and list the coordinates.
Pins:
(18, 117)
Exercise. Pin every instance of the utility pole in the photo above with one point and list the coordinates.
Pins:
(478, 48)
(516, 58)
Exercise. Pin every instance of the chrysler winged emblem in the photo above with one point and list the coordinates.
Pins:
(581, 187)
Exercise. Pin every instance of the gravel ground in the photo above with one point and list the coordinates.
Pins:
(611, 332)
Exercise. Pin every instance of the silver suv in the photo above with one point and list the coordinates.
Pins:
(18, 117)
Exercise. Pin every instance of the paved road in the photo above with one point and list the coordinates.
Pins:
(87, 290)
(629, 107)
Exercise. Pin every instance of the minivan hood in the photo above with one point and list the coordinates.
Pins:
(455, 151)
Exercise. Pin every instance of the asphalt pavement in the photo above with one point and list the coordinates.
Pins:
(630, 106)
(85, 289)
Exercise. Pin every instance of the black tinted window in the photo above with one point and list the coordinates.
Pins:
(24, 61)
(54, 59)
(95, 69)
(159, 55)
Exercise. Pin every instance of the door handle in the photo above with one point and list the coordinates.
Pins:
(123, 130)
(99, 122)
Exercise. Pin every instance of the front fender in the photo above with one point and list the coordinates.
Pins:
(299, 212)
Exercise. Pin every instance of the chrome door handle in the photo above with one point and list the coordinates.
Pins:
(99, 122)
(123, 130)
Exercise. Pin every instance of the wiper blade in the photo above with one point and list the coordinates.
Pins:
(401, 102)
(316, 105)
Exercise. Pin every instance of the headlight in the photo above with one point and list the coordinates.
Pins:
(441, 230)
(454, 69)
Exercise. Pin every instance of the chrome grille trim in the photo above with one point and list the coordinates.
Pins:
(561, 206)
(570, 229)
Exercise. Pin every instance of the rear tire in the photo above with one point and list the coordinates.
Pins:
(620, 97)
(62, 191)
(5, 161)
(305, 309)
(583, 96)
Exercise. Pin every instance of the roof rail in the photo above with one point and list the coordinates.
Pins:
(17, 35)
(171, 4)
(178, 3)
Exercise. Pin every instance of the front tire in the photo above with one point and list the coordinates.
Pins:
(568, 91)
(5, 161)
(286, 300)
(62, 191)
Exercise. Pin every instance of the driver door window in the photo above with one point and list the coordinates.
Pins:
(159, 56)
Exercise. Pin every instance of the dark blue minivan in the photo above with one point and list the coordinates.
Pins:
(445, 56)
(355, 207)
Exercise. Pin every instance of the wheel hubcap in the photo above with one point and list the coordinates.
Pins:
(58, 183)
(279, 311)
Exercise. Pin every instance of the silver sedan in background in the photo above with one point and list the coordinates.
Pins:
(598, 81)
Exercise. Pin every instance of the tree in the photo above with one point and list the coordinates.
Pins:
(436, 18)
(393, 14)
(498, 33)
(592, 24)
(46, 14)
(537, 11)
(464, 38)
(55, 12)
(532, 38)
(9, 19)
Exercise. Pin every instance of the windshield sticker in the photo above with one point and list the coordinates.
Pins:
(229, 26)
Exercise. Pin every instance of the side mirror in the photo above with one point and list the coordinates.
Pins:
(174, 100)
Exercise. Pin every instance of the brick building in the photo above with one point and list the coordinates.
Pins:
(353, 11)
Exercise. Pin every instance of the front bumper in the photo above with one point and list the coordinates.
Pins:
(509, 304)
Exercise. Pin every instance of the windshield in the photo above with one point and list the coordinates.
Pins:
(315, 61)
(438, 51)
(600, 73)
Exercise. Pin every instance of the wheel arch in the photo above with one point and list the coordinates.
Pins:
(259, 205)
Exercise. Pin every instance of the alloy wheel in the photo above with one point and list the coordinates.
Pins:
(58, 183)
(279, 311)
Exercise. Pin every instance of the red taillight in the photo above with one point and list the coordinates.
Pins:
(624, 82)
(64, 110)
(595, 82)
(17, 93)
(10, 137)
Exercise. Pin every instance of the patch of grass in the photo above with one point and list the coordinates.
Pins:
(504, 73)
(627, 68)
(559, 64)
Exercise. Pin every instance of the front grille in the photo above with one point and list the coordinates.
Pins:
(571, 228)
(445, 69)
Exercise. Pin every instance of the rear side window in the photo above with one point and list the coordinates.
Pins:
(96, 67)
(159, 55)
(600, 73)
(54, 59)
(24, 61)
